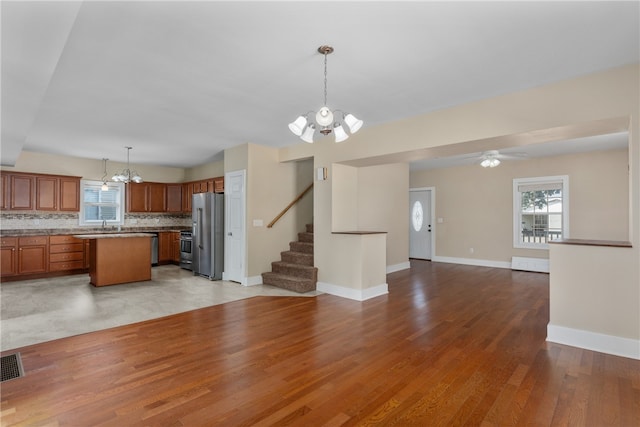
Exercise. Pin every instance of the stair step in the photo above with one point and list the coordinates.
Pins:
(295, 270)
(305, 237)
(309, 228)
(304, 247)
(291, 283)
(297, 258)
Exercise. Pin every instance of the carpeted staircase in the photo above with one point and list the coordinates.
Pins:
(295, 271)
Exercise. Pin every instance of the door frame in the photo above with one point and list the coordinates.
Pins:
(432, 213)
(243, 242)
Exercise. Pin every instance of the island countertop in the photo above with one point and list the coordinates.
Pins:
(111, 235)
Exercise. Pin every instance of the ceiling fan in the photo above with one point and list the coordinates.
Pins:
(492, 158)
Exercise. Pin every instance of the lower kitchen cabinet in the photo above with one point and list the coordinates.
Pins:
(33, 254)
(66, 253)
(165, 247)
(176, 247)
(9, 256)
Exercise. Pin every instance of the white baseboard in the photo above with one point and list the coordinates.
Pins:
(252, 281)
(609, 344)
(472, 261)
(355, 294)
(540, 265)
(398, 267)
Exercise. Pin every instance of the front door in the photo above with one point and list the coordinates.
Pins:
(420, 224)
(234, 192)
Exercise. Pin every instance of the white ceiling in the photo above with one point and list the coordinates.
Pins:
(182, 81)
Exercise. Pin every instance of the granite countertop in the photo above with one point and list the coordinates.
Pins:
(80, 231)
(111, 235)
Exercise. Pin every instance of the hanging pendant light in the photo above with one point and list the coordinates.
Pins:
(326, 121)
(105, 186)
(127, 175)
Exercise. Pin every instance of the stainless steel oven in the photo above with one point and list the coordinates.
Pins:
(186, 250)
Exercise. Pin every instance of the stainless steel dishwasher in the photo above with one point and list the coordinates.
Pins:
(154, 249)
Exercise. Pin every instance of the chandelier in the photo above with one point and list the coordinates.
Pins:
(490, 159)
(325, 120)
(127, 175)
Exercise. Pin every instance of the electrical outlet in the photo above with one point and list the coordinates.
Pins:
(471, 250)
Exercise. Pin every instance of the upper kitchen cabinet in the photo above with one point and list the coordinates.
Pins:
(21, 191)
(69, 194)
(4, 191)
(24, 191)
(174, 197)
(218, 184)
(147, 197)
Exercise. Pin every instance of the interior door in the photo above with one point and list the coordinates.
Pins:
(420, 224)
(234, 242)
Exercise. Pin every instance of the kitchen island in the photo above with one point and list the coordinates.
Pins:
(118, 258)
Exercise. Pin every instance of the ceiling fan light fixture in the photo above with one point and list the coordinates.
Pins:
(490, 162)
(325, 120)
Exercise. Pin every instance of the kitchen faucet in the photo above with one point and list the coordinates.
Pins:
(104, 223)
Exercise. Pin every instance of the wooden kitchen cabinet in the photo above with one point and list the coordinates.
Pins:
(218, 184)
(137, 197)
(33, 254)
(4, 191)
(147, 197)
(46, 193)
(69, 194)
(157, 197)
(165, 247)
(66, 253)
(25, 191)
(176, 246)
(57, 193)
(9, 256)
(21, 191)
(187, 193)
(174, 197)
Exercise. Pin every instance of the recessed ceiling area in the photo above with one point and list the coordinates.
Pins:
(619, 140)
(180, 82)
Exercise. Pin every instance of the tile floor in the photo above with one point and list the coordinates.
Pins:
(34, 311)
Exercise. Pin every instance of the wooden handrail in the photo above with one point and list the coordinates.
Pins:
(284, 211)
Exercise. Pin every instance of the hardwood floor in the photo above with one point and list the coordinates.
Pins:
(449, 345)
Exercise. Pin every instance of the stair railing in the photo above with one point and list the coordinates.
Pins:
(296, 200)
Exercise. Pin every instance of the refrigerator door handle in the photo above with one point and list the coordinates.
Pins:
(199, 235)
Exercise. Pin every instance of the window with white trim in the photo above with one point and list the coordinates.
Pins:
(100, 206)
(540, 211)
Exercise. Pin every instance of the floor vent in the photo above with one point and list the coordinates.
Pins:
(11, 367)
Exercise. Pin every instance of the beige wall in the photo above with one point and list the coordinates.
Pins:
(373, 198)
(344, 198)
(89, 168)
(271, 186)
(208, 170)
(383, 203)
(94, 169)
(476, 204)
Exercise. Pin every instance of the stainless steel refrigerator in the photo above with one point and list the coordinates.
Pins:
(208, 235)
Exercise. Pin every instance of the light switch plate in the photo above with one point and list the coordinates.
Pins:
(257, 223)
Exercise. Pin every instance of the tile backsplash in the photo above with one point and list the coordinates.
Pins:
(13, 220)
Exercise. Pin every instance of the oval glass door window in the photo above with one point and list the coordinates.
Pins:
(417, 215)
